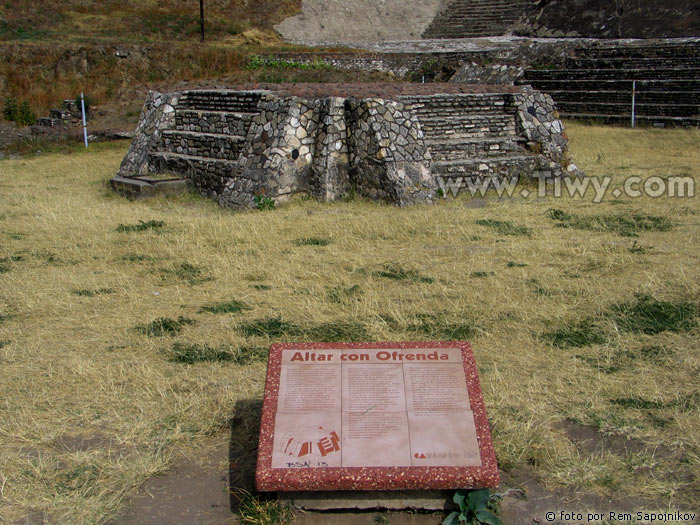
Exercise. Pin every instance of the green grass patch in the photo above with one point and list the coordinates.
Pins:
(625, 225)
(276, 327)
(258, 62)
(79, 479)
(187, 272)
(92, 293)
(134, 257)
(230, 307)
(140, 227)
(397, 273)
(339, 294)
(647, 315)
(584, 333)
(198, 353)
(505, 227)
(261, 286)
(272, 327)
(4, 343)
(312, 241)
(436, 326)
(7, 262)
(164, 326)
(260, 511)
(481, 275)
(513, 264)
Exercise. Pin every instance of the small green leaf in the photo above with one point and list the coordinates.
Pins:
(452, 519)
(478, 499)
(487, 517)
(459, 498)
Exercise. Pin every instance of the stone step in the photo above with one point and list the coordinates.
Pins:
(665, 49)
(682, 62)
(670, 110)
(208, 175)
(220, 100)
(612, 74)
(645, 119)
(468, 126)
(205, 145)
(460, 148)
(469, 18)
(614, 85)
(233, 122)
(485, 167)
(625, 97)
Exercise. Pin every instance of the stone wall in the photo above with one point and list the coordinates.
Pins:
(236, 145)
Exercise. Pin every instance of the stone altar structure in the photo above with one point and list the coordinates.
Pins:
(384, 141)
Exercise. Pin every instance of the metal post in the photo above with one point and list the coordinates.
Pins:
(201, 17)
(82, 104)
(634, 96)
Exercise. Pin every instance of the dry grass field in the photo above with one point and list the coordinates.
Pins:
(130, 331)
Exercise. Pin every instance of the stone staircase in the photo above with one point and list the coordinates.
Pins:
(471, 136)
(209, 130)
(473, 18)
(596, 83)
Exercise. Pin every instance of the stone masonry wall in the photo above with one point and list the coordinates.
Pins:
(236, 145)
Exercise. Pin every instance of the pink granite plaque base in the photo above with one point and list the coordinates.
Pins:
(374, 416)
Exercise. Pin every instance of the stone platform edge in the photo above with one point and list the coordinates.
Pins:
(374, 478)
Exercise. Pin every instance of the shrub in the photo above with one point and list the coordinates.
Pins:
(19, 112)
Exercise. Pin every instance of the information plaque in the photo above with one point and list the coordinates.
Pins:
(374, 416)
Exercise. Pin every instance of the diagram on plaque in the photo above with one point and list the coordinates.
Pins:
(310, 441)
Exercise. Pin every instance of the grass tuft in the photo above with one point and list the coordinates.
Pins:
(275, 327)
(576, 335)
(513, 264)
(505, 227)
(164, 326)
(231, 307)
(339, 294)
(188, 273)
(134, 257)
(625, 225)
(140, 227)
(92, 293)
(481, 274)
(397, 273)
(258, 511)
(434, 326)
(198, 353)
(312, 241)
(650, 316)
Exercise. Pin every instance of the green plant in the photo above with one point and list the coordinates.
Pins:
(505, 227)
(260, 511)
(141, 226)
(473, 508)
(163, 326)
(10, 109)
(264, 203)
(312, 241)
(230, 307)
(18, 112)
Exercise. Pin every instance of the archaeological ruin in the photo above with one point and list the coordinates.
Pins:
(385, 142)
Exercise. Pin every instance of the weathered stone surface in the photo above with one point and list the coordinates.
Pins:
(236, 145)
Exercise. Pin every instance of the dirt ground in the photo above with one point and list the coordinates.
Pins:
(198, 490)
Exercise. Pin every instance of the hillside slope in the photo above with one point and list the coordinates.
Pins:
(358, 20)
